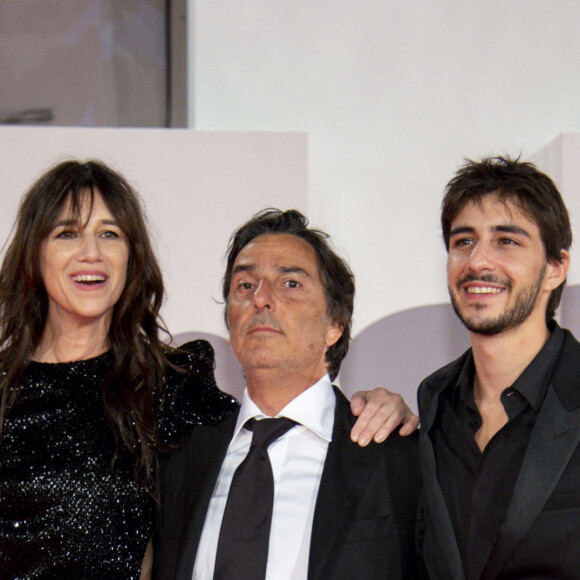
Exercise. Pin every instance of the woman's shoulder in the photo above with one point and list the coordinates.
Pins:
(194, 356)
(191, 396)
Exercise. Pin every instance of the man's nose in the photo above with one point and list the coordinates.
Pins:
(481, 257)
(264, 296)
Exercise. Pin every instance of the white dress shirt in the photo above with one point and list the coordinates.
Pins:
(297, 460)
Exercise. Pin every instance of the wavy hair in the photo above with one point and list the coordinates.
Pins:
(129, 393)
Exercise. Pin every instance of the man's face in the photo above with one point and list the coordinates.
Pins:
(496, 267)
(277, 308)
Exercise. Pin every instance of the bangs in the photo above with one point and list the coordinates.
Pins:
(54, 199)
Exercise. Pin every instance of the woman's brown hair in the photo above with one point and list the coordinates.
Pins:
(129, 393)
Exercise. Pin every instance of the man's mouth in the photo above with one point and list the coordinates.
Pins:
(483, 290)
(262, 323)
(262, 328)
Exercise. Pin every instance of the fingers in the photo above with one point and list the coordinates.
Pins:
(358, 402)
(410, 424)
(382, 414)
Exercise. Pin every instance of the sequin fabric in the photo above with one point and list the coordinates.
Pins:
(64, 512)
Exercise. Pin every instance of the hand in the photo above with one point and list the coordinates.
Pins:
(379, 413)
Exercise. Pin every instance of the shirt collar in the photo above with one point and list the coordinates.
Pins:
(313, 408)
(531, 384)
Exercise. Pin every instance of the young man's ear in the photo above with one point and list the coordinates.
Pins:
(556, 271)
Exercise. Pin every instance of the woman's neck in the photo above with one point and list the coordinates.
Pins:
(81, 342)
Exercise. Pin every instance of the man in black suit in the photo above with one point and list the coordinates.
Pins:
(501, 425)
(339, 510)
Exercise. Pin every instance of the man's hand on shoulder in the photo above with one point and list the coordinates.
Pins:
(379, 413)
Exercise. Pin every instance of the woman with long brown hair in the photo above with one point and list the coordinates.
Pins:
(89, 393)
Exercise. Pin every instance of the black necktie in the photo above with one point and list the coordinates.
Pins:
(242, 550)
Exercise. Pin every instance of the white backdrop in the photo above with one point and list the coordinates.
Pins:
(393, 95)
(197, 188)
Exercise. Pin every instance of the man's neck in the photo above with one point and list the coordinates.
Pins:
(272, 389)
(500, 359)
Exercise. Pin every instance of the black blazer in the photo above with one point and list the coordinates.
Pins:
(364, 520)
(540, 536)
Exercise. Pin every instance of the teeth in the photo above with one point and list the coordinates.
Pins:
(483, 290)
(89, 278)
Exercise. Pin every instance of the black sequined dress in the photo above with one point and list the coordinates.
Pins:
(64, 512)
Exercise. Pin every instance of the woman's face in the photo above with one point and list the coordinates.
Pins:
(84, 265)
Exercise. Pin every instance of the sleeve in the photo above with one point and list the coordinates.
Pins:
(189, 394)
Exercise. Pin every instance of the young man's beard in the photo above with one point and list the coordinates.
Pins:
(511, 317)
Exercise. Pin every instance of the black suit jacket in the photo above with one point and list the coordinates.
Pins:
(365, 511)
(540, 536)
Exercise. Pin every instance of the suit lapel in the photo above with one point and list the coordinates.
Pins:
(552, 443)
(437, 516)
(434, 503)
(206, 451)
(347, 469)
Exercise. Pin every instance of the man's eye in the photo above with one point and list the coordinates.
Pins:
(245, 285)
(462, 242)
(292, 284)
(508, 242)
